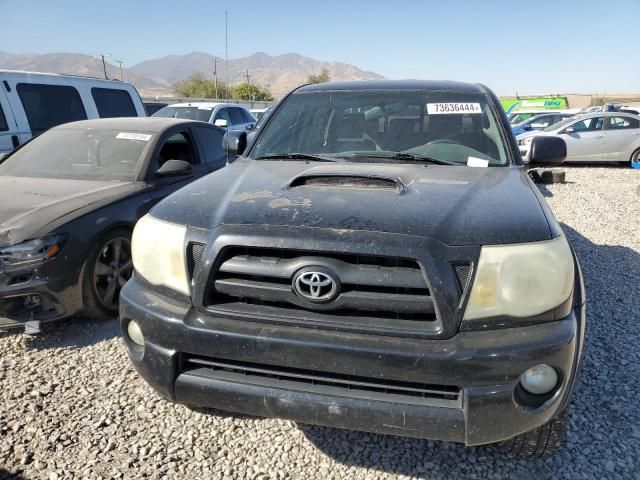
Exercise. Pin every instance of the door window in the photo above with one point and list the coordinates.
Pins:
(222, 115)
(588, 124)
(542, 122)
(210, 140)
(112, 102)
(623, 123)
(247, 116)
(3, 121)
(177, 147)
(236, 116)
(49, 105)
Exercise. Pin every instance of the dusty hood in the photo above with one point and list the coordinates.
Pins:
(456, 205)
(27, 205)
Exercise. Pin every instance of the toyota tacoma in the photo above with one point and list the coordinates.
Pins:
(377, 259)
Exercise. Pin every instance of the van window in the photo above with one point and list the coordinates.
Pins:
(49, 105)
(112, 102)
(3, 121)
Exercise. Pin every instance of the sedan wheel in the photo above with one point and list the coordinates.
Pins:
(112, 270)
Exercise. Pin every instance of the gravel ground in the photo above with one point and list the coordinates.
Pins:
(72, 407)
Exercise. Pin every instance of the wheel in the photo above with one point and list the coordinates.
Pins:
(107, 269)
(635, 159)
(544, 440)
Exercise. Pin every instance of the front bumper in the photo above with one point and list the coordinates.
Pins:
(484, 366)
(49, 292)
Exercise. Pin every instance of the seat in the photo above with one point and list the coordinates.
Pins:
(350, 134)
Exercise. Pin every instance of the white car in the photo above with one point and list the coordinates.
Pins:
(594, 137)
(226, 115)
(32, 102)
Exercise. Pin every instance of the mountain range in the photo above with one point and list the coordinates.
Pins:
(155, 77)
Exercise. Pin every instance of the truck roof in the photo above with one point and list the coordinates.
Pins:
(394, 85)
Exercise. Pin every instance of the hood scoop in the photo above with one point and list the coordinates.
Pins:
(361, 182)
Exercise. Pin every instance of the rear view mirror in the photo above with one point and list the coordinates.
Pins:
(547, 151)
(221, 122)
(174, 168)
(234, 143)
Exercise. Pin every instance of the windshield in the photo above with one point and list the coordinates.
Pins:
(190, 113)
(83, 154)
(448, 126)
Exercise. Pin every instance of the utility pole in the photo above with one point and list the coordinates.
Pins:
(120, 62)
(215, 75)
(249, 86)
(104, 66)
(226, 52)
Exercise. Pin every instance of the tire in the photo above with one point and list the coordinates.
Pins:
(544, 440)
(548, 177)
(101, 282)
(634, 161)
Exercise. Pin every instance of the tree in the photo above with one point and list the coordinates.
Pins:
(322, 77)
(198, 86)
(246, 91)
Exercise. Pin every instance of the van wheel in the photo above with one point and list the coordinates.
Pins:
(544, 440)
(108, 268)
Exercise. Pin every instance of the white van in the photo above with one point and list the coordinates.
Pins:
(31, 103)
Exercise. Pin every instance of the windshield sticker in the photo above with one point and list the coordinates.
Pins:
(143, 137)
(477, 162)
(448, 108)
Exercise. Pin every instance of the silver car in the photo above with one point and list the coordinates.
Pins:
(595, 137)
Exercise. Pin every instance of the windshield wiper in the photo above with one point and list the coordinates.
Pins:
(297, 156)
(405, 157)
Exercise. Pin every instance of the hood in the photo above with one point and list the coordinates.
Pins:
(28, 205)
(455, 205)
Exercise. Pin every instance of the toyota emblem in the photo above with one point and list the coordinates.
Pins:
(316, 286)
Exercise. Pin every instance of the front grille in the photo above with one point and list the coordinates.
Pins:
(346, 181)
(329, 383)
(194, 255)
(384, 294)
(463, 270)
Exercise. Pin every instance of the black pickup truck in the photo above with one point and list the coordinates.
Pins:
(377, 259)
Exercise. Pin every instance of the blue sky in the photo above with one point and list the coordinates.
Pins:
(535, 46)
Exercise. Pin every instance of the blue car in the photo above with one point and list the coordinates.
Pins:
(539, 122)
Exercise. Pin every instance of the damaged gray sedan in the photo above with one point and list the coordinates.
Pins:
(69, 199)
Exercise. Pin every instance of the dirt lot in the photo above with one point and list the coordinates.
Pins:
(72, 407)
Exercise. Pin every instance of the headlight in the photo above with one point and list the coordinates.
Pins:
(157, 249)
(521, 280)
(30, 253)
(525, 141)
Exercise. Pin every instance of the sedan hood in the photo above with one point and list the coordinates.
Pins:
(29, 205)
(455, 205)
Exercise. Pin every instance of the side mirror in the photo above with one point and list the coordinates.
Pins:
(221, 122)
(234, 143)
(547, 151)
(569, 130)
(175, 168)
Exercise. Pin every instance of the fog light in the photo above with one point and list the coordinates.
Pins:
(540, 379)
(135, 333)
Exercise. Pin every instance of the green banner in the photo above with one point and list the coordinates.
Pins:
(542, 103)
